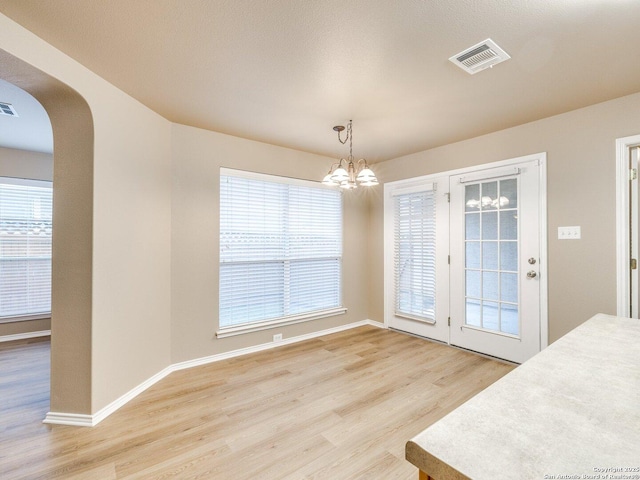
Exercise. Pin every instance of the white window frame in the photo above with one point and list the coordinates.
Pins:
(28, 183)
(233, 330)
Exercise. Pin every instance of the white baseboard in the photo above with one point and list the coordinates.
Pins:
(130, 395)
(266, 346)
(73, 419)
(83, 420)
(25, 336)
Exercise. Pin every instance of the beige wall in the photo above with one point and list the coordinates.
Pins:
(580, 148)
(116, 198)
(197, 158)
(146, 201)
(38, 166)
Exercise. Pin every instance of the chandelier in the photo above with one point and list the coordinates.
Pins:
(346, 173)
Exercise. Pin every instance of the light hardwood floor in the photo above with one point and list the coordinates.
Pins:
(337, 407)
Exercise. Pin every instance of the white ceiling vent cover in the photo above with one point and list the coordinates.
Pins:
(7, 109)
(480, 56)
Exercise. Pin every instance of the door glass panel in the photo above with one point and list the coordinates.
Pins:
(489, 225)
(490, 285)
(472, 198)
(508, 225)
(490, 255)
(509, 193)
(472, 226)
(473, 313)
(509, 287)
(473, 283)
(491, 249)
(509, 319)
(489, 198)
(473, 255)
(509, 256)
(490, 318)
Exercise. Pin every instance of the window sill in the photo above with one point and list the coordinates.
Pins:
(277, 322)
(25, 318)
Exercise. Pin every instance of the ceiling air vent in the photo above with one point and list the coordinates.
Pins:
(483, 55)
(7, 109)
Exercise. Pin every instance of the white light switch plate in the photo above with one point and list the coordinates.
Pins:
(568, 233)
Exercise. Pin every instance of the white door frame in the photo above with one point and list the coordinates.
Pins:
(542, 269)
(623, 256)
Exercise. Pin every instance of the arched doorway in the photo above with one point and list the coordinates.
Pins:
(71, 301)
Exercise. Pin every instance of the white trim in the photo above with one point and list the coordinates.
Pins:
(72, 419)
(25, 318)
(542, 262)
(24, 336)
(83, 420)
(266, 177)
(26, 182)
(492, 174)
(623, 258)
(266, 346)
(277, 322)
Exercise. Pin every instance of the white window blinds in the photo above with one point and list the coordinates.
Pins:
(280, 248)
(415, 254)
(25, 247)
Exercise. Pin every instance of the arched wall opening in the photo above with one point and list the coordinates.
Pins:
(72, 256)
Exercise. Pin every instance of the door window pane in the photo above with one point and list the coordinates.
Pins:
(509, 287)
(473, 313)
(472, 198)
(488, 200)
(490, 319)
(472, 258)
(490, 285)
(490, 255)
(509, 322)
(489, 225)
(509, 256)
(509, 193)
(472, 227)
(473, 283)
(509, 225)
(491, 251)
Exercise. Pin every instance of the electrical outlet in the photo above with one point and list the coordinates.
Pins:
(277, 337)
(568, 233)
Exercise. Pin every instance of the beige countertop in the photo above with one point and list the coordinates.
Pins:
(570, 412)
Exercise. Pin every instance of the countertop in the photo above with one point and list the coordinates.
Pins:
(572, 411)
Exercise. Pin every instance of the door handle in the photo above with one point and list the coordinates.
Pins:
(531, 274)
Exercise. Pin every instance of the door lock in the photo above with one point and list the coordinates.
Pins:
(531, 274)
(532, 261)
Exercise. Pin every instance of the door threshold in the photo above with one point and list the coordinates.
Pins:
(440, 342)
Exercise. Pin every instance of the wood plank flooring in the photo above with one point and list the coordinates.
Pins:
(337, 407)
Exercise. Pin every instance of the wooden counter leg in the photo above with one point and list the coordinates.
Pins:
(424, 476)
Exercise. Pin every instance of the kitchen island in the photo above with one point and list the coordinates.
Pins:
(570, 412)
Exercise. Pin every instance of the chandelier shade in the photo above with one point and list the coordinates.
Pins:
(347, 173)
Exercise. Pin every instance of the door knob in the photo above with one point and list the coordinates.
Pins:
(531, 274)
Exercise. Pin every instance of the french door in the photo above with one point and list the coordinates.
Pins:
(495, 259)
(479, 268)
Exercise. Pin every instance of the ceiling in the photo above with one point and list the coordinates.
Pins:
(286, 71)
(31, 128)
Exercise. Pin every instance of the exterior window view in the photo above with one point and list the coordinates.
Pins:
(25, 249)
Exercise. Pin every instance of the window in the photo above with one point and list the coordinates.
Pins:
(280, 250)
(415, 254)
(25, 247)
